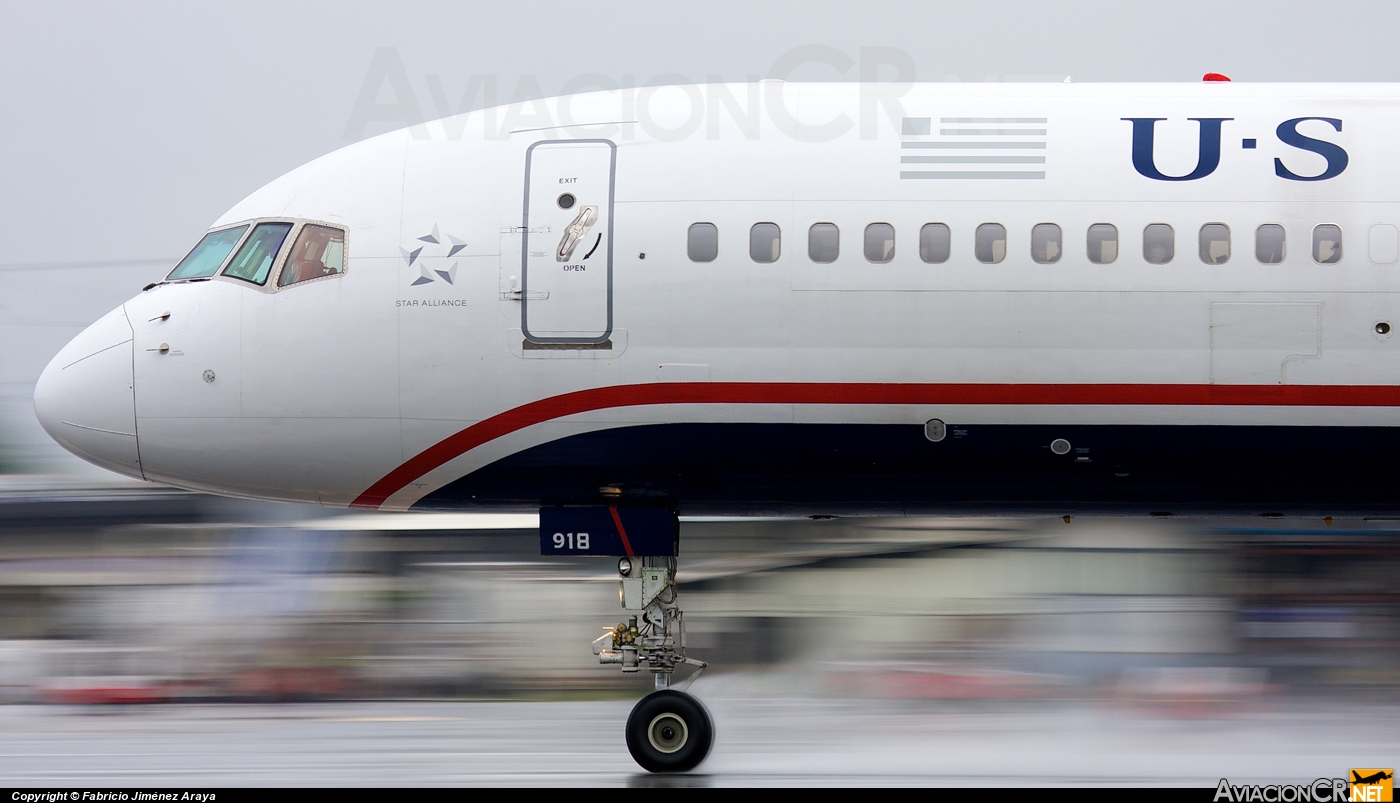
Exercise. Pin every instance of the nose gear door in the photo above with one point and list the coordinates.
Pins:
(566, 256)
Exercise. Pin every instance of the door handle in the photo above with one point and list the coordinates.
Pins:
(575, 232)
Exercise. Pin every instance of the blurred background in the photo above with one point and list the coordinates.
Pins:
(162, 637)
(129, 128)
(122, 595)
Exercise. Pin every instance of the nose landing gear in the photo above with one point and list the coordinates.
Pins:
(668, 731)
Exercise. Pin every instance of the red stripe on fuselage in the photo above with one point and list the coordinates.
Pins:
(621, 532)
(583, 401)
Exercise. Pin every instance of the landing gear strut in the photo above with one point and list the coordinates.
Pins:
(668, 731)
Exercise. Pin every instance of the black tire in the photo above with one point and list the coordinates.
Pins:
(669, 731)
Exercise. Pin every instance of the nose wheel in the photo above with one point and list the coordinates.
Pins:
(669, 731)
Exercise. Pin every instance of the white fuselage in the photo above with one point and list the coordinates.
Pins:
(458, 305)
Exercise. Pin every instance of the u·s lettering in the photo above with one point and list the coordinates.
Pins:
(1211, 139)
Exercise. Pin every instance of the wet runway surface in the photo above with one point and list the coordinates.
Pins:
(761, 741)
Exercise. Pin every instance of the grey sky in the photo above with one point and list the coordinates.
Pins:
(129, 127)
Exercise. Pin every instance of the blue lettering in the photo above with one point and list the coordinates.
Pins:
(1333, 153)
(1207, 153)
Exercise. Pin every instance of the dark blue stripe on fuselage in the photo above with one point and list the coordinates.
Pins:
(789, 469)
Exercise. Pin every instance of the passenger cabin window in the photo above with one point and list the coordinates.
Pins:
(1270, 243)
(702, 243)
(823, 242)
(319, 252)
(1327, 244)
(1046, 245)
(208, 255)
(935, 243)
(991, 243)
(1103, 243)
(1385, 244)
(254, 260)
(765, 242)
(879, 242)
(1158, 244)
(1215, 243)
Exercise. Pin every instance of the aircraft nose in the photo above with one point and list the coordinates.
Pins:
(85, 398)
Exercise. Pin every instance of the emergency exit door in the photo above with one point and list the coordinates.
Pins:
(566, 260)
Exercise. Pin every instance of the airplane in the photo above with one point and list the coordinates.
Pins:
(784, 299)
(1373, 778)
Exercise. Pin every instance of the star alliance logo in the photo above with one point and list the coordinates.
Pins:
(427, 274)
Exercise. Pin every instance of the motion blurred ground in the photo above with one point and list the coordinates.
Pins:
(136, 594)
(154, 636)
(766, 736)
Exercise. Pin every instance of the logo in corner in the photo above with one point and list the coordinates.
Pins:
(1372, 785)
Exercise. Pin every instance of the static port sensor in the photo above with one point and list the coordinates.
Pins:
(609, 531)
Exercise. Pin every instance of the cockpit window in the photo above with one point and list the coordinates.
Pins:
(254, 260)
(319, 251)
(206, 257)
